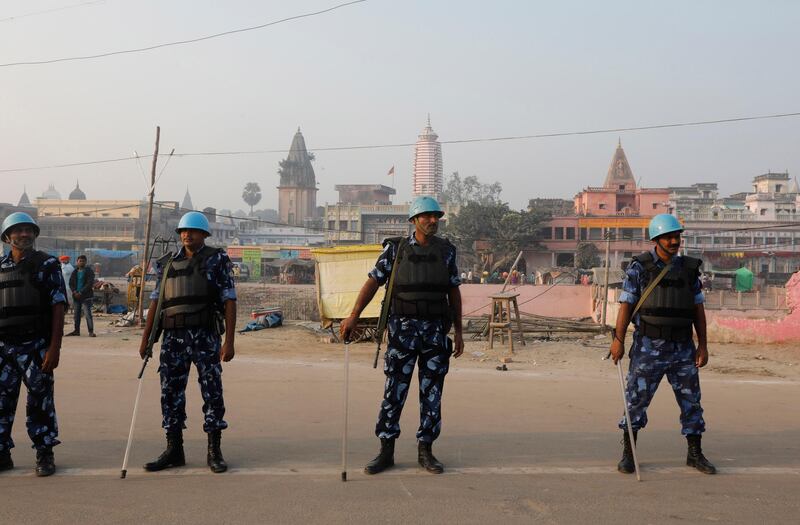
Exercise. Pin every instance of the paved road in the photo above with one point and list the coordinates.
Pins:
(520, 447)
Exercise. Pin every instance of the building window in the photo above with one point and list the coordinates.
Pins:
(621, 187)
(778, 188)
(763, 211)
(584, 234)
(559, 233)
(627, 233)
(655, 205)
(546, 233)
(570, 233)
(602, 205)
(595, 234)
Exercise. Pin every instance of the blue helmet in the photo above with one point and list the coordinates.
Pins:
(663, 224)
(424, 205)
(193, 220)
(15, 219)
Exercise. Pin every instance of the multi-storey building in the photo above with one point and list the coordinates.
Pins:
(760, 230)
(618, 208)
(428, 178)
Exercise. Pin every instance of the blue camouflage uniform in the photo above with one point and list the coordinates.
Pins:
(651, 359)
(200, 345)
(21, 362)
(411, 339)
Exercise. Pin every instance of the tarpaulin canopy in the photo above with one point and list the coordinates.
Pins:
(112, 254)
(341, 272)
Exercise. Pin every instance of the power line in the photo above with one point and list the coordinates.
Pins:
(180, 42)
(409, 144)
(53, 10)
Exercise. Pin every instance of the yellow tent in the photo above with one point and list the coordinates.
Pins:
(341, 272)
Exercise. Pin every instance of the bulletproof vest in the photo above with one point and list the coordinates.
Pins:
(671, 303)
(188, 295)
(422, 279)
(24, 305)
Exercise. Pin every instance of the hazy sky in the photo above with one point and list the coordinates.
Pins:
(371, 72)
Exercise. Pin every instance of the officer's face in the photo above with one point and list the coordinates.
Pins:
(670, 243)
(427, 223)
(193, 239)
(21, 237)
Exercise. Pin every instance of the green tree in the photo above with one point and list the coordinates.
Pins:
(251, 195)
(494, 226)
(587, 256)
(460, 192)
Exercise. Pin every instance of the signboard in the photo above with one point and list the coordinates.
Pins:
(252, 258)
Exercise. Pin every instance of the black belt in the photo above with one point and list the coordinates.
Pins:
(421, 309)
(678, 334)
(177, 321)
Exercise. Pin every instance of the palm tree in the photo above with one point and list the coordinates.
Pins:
(252, 194)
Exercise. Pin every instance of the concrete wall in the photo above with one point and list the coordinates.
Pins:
(564, 301)
(749, 326)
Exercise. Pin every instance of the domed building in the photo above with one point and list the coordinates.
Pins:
(77, 194)
(51, 193)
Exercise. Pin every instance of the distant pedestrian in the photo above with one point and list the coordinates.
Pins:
(469, 277)
(81, 282)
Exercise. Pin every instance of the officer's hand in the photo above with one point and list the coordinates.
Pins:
(617, 350)
(459, 345)
(348, 325)
(51, 358)
(701, 358)
(227, 352)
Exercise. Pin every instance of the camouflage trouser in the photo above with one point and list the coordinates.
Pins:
(410, 339)
(651, 359)
(179, 349)
(21, 363)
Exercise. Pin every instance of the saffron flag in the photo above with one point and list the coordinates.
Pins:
(391, 171)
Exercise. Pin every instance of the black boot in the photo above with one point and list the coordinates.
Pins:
(695, 457)
(172, 456)
(45, 462)
(626, 465)
(214, 459)
(427, 460)
(5, 461)
(383, 460)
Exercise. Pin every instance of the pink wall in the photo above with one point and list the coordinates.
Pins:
(767, 328)
(560, 301)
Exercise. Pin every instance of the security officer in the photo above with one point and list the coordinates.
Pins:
(425, 304)
(198, 294)
(32, 302)
(662, 340)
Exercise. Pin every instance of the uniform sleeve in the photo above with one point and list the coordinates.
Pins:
(52, 279)
(697, 289)
(220, 270)
(383, 266)
(631, 284)
(455, 279)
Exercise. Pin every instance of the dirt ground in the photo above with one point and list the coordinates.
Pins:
(537, 443)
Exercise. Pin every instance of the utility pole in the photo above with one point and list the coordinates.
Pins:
(146, 259)
(605, 285)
